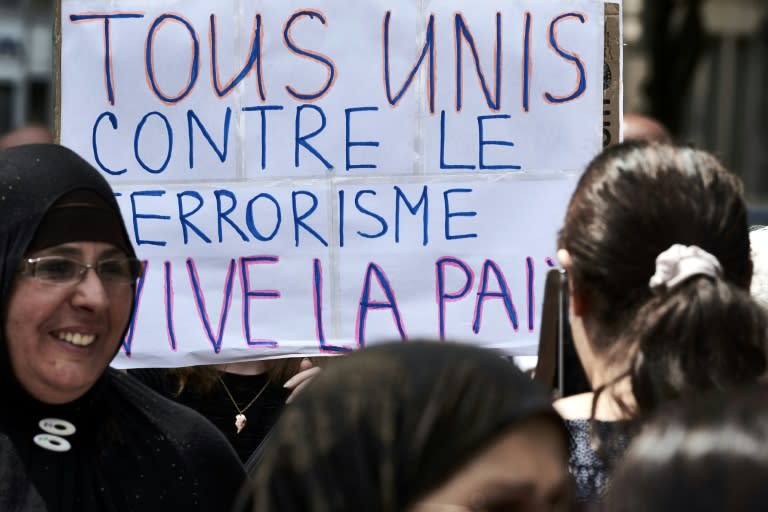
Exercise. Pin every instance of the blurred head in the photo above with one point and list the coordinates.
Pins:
(416, 426)
(29, 134)
(708, 454)
(638, 127)
(633, 202)
(68, 273)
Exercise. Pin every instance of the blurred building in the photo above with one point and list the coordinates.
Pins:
(728, 106)
(700, 66)
(26, 60)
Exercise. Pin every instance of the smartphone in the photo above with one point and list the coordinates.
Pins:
(558, 365)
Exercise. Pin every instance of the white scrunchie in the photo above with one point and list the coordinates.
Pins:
(680, 262)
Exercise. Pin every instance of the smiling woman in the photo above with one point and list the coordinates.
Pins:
(74, 434)
(61, 324)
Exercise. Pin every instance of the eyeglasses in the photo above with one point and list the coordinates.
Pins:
(63, 270)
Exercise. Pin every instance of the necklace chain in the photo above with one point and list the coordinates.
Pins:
(232, 399)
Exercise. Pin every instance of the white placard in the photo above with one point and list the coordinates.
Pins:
(312, 178)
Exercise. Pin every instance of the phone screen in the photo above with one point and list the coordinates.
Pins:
(558, 366)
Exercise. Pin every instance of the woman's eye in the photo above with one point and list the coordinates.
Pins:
(120, 270)
(113, 268)
(56, 269)
(504, 506)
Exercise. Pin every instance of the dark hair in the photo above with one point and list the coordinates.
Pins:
(204, 378)
(704, 334)
(707, 454)
(384, 426)
(634, 201)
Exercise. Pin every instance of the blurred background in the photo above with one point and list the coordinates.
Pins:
(698, 66)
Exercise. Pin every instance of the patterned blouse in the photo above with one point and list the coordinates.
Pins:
(591, 465)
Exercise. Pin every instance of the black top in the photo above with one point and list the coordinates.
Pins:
(133, 450)
(590, 468)
(218, 408)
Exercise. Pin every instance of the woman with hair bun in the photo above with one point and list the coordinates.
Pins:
(656, 246)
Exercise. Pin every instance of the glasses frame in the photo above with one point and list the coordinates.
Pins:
(28, 268)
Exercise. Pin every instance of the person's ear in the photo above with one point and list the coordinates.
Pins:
(564, 257)
(577, 298)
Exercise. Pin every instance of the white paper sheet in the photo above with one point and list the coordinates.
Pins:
(280, 200)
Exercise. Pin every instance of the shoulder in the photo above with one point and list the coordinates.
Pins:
(17, 490)
(579, 407)
(174, 420)
(575, 407)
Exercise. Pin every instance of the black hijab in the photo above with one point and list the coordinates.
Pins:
(132, 450)
(383, 427)
(32, 179)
